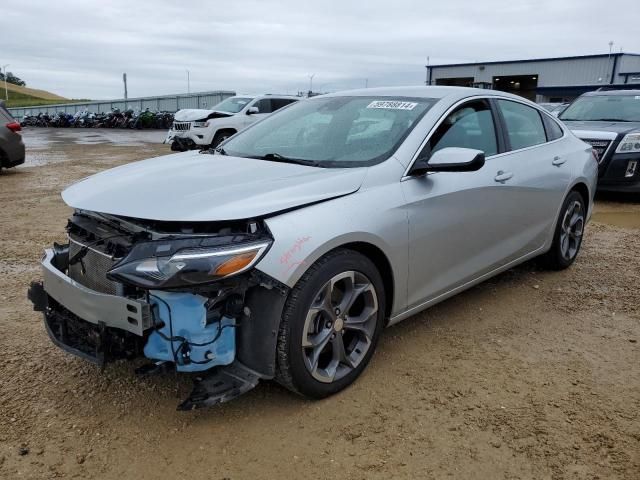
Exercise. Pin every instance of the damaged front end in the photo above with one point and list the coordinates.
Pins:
(183, 295)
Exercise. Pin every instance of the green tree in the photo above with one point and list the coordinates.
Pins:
(11, 78)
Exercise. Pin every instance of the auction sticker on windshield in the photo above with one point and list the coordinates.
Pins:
(392, 105)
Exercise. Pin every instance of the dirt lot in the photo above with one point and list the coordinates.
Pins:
(532, 375)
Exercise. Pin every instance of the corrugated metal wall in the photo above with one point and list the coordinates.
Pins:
(168, 103)
(561, 72)
(628, 64)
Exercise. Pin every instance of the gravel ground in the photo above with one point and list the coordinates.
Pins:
(532, 375)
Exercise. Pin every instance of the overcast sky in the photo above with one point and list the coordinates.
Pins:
(79, 49)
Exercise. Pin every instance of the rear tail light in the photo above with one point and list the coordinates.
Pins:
(14, 127)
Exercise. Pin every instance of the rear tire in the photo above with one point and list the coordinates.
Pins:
(330, 325)
(567, 237)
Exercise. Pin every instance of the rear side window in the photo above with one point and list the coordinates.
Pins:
(523, 123)
(264, 105)
(469, 126)
(278, 103)
(554, 131)
(4, 113)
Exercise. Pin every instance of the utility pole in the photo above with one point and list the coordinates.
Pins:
(6, 91)
(188, 81)
(124, 80)
(426, 80)
(609, 61)
(311, 83)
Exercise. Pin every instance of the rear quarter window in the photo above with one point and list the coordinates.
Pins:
(4, 114)
(554, 131)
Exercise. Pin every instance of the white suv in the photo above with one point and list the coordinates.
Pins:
(196, 128)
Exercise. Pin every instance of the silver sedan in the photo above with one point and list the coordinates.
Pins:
(348, 212)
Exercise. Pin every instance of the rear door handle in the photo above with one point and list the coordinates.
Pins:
(503, 176)
(557, 161)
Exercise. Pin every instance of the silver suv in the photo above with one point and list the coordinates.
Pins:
(11, 144)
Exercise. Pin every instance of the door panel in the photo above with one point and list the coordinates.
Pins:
(461, 226)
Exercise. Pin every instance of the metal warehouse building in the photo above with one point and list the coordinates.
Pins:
(544, 79)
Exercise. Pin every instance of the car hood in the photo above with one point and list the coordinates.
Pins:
(191, 186)
(583, 129)
(194, 114)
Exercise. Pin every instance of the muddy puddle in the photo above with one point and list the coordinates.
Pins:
(618, 219)
(47, 145)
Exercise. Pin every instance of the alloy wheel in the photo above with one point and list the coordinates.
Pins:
(572, 229)
(339, 326)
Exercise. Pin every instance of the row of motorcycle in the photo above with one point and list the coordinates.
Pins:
(113, 119)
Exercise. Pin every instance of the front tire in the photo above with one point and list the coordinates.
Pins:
(331, 324)
(220, 137)
(567, 237)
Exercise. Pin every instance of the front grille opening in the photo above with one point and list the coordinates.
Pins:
(600, 147)
(91, 270)
(182, 126)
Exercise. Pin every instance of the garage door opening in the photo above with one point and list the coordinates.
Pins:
(523, 85)
(456, 82)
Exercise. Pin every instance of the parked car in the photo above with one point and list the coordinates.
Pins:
(554, 109)
(284, 253)
(610, 122)
(202, 129)
(11, 144)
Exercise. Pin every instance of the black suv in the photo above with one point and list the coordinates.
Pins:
(11, 144)
(610, 122)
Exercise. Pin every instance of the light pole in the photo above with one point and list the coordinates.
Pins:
(188, 81)
(311, 83)
(6, 92)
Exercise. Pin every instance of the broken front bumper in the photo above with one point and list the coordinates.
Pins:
(95, 326)
(94, 307)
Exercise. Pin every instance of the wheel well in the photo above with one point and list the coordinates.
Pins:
(381, 262)
(226, 130)
(582, 189)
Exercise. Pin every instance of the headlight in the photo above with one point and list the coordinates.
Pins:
(186, 266)
(629, 144)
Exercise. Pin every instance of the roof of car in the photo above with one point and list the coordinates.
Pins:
(426, 91)
(267, 95)
(612, 92)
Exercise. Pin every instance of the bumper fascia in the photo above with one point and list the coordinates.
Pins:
(613, 178)
(98, 308)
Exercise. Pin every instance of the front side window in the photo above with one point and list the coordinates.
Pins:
(333, 131)
(523, 123)
(609, 108)
(232, 105)
(469, 126)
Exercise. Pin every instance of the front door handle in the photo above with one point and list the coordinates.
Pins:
(503, 176)
(557, 161)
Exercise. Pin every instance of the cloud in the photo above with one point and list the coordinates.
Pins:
(80, 49)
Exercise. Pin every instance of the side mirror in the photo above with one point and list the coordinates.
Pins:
(450, 159)
(253, 110)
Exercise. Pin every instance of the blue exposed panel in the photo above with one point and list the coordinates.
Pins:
(196, 345)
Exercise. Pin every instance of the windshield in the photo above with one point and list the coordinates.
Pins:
(332, 131)
(620, 108)
(232, 105)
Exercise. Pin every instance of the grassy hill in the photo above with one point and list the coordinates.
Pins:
(27, 97)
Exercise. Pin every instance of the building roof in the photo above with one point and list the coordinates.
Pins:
(549, 59)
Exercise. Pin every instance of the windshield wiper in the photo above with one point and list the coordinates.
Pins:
(611, 120)
(276, 157)
(594, 120)
(220, 151)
